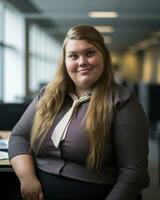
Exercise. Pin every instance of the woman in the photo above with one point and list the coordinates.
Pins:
(83, 137)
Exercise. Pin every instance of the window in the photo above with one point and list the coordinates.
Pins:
(43, 55)
(12, 68)
(44, 52)
(1, 51)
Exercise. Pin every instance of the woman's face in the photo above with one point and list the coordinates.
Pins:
(84, 63)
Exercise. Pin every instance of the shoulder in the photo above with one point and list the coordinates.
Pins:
(124, 99)
(120, 95)
(127, 108)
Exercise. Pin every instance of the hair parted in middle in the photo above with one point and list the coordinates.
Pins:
(98, 116)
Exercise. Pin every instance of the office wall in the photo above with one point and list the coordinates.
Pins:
(131, 68)
(151, 65)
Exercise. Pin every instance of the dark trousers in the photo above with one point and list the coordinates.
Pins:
(61, 188)
(55, 188)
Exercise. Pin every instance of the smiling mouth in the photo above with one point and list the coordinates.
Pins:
(85, 69)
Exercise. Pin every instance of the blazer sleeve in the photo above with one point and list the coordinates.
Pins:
(130, 141)
(19, 142)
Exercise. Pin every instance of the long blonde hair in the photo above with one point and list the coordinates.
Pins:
(98, 113)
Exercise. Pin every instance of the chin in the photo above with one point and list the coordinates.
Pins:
(86, 85)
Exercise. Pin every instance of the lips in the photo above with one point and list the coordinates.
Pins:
(85, 69)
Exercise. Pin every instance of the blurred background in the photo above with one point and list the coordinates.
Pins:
(31, 36)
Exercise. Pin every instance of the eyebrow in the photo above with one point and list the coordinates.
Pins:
(90, 48)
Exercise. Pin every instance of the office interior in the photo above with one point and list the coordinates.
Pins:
(31, 37)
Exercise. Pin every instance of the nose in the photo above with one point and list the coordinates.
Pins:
(82, 61)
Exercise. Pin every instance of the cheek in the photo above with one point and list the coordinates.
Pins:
(71, 67)
(71, 70)
(97, 60)
(98, 63)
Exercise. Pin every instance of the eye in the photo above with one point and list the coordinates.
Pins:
(90, 53)
(73, 56)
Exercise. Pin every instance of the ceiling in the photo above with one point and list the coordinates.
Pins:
(138, 19)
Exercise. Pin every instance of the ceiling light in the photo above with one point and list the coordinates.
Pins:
(144, 44)
(99, 14)
(105, 29)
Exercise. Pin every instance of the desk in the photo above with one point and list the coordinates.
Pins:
(5, 134)
(4, 164)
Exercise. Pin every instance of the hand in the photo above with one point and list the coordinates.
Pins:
(31, 189)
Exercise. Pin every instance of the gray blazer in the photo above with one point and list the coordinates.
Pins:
(126, 149)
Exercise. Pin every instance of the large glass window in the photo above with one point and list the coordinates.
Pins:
(41, 62)
(1, 51)
(12, 54)
(44, 52)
